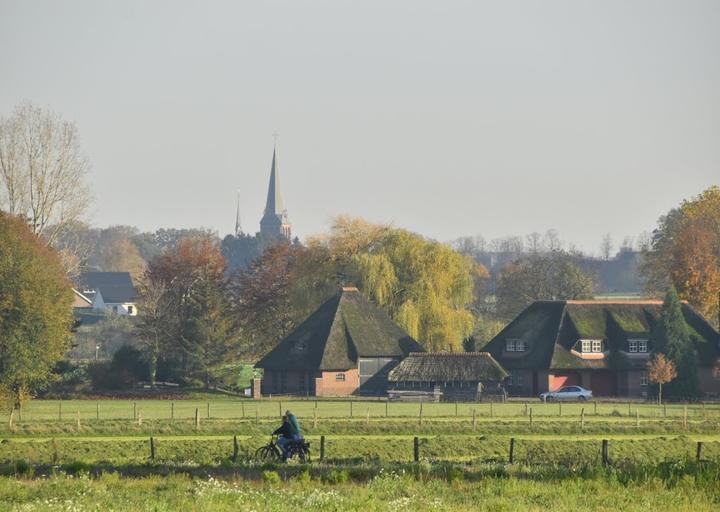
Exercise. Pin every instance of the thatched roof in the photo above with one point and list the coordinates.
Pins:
(448, 367)
(551, 330)
(344, 328)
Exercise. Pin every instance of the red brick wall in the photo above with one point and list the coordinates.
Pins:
(330, 386)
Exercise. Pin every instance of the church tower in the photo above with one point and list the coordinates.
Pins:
(275, 221)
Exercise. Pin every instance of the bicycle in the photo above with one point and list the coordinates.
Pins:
(272, 452)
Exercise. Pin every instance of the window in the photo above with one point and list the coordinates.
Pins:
(339, 377)
(636, 346)
(514, 345)
(644, 379)
(516, 379)
(115, 309)
(643, 346)
(633, 345)
(130, 310)
(591, 346)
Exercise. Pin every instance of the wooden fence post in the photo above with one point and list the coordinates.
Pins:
(595, 404)
(314, 418)
(280, 407)
(511, 458)
(197, 418)
(322, 448)
(351, 408)
(386, 408)
(78, 420)
(172, 410)
(134, 410)
(421, 411)
(664, 410)
(531, 416)
(559, 408)
(152, 448)
(12, 415)
(235, 450)
(605, 453)
(526, 409)
(582, 417)
(140, 417)
(60, 410)
(491, 409)
(208, 410)
(55, 456)
(242, 409)
(456, 410)
(97, 411)
(698, 452)
(637, 417)
(416, 449)
(474, 420)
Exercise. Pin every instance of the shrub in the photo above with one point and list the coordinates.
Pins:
(271, 477)
(336, 476)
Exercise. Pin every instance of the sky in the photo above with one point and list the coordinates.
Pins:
(449, 118)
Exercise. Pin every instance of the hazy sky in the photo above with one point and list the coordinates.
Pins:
(448, 118)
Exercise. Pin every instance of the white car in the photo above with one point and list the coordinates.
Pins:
(567, 393)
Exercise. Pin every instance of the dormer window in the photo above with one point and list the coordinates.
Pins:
(638, 346)
(515, 345)
(591, 346)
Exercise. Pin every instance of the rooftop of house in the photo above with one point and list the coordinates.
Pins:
(552, 330)
(344, 328)
(448, 367)
(115, 287)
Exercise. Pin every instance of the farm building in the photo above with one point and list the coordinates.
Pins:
(603, 346)
(347, 346)
(447, 376)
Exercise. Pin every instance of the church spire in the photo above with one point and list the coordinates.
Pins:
(238, 225)
(275, 221)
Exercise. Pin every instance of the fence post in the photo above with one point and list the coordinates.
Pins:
(698, 452)
(208, 410)
(172, 410)
(134, 410)
(474, 421)
(12, 415)
(605, 453)
(322, 448)
(235, 450)
(78, 419)
(421, 411)
(637, 417)
(685, 416)
(280, 407)
(152, 448)
(526, 409)
(386, 407)
(242, 408)
(60, 410)
(351, 408)
(559, 408)
(664, 410)
(582, 417)
(97, 411)
(595, 403)
(511, 458)
(531, 416)
(140, 417)
(197, 418)
(314, 418)
(416, 449)
(55, 456)
(456, 412)
(491, 408)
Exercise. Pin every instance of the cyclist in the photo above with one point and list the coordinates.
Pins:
(285, 431)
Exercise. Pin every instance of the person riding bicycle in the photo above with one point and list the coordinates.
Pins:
(285, 431)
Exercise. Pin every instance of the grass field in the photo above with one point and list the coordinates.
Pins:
(464, 451)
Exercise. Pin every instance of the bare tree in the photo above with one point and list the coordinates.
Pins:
(42, 170)
(606, 247)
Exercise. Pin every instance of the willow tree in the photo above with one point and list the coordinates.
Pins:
(35, 311)
(424, 285)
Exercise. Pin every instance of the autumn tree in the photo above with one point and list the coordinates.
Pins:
(262, 298)
(670, 337)
(548, 276)
(122, 255)
(661, 370)
(685, 252)
(189, 325)
(42, 170)
(35, 311)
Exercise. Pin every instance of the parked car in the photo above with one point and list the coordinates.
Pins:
(568, 393)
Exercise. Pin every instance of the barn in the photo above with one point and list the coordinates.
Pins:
(346, 347)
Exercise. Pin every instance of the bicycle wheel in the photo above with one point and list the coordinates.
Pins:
(266, 454)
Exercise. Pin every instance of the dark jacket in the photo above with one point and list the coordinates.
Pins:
(284, 430)
(294, 425)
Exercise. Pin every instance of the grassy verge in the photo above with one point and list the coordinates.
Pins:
(417, 487)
